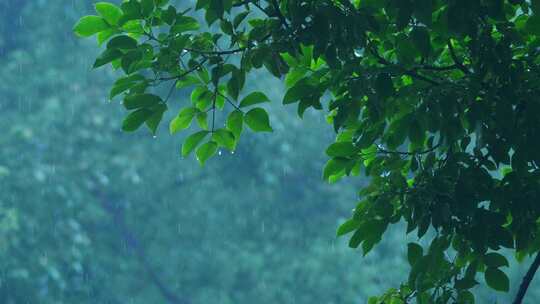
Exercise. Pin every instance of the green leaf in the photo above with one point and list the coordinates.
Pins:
(497, 279)
(349, 226)
(110, 12)
(184, 24)
(90, 25)
(192, 142)
(202, 120)
(235, 122)
(465, 297)
(533, 24)
(253, 99)
(495, 260)
(239, 18)
(169, 15)
(141, 101)
(124, 84)
(183, 120)
(298, 91)
(122, 42)
(135, 119)
(341, 149)
(205, 151)
(153, 121)
(147, 7)
(334, 169)
(414, 253)
(257, 120)
(107, 56)
(105, 35)
(224, 138)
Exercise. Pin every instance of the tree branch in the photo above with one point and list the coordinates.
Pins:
(458, 62)
(411, 73)
(527, 280)
(132, 241)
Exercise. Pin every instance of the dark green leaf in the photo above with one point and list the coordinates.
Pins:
(414, 253)
(497, 279)
(135, 119)
(122, 42)
(184, 24)
(141, 101)
(348, 226)
(495, 260)
(107, 57)
(341, 149)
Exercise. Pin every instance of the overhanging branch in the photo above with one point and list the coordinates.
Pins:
(527, 280)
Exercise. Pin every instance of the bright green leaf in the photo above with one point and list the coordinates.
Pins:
(90, 25)
(110, 12)
(192, 141)
(182, 120)
(257, 120)
(235, 122)
(253, 99)
(205, 151)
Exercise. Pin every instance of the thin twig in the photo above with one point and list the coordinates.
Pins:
(230, 102)
(458, 62)
(411, 73)
(178, 77)
(381, 150)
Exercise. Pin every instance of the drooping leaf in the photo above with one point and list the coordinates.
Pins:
(235, 121)
(205, 151)
(192, 141)
(135, 119)
(153, 121)
(348, 226)
(497, 279)
(183, 120)
(224, 138)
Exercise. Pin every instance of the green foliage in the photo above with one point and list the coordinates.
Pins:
(434, 101)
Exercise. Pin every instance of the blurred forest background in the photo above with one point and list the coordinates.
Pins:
(89, 214)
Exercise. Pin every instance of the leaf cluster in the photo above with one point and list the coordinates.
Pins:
(436, 101)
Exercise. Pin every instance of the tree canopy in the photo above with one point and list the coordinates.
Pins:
(436, 101)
